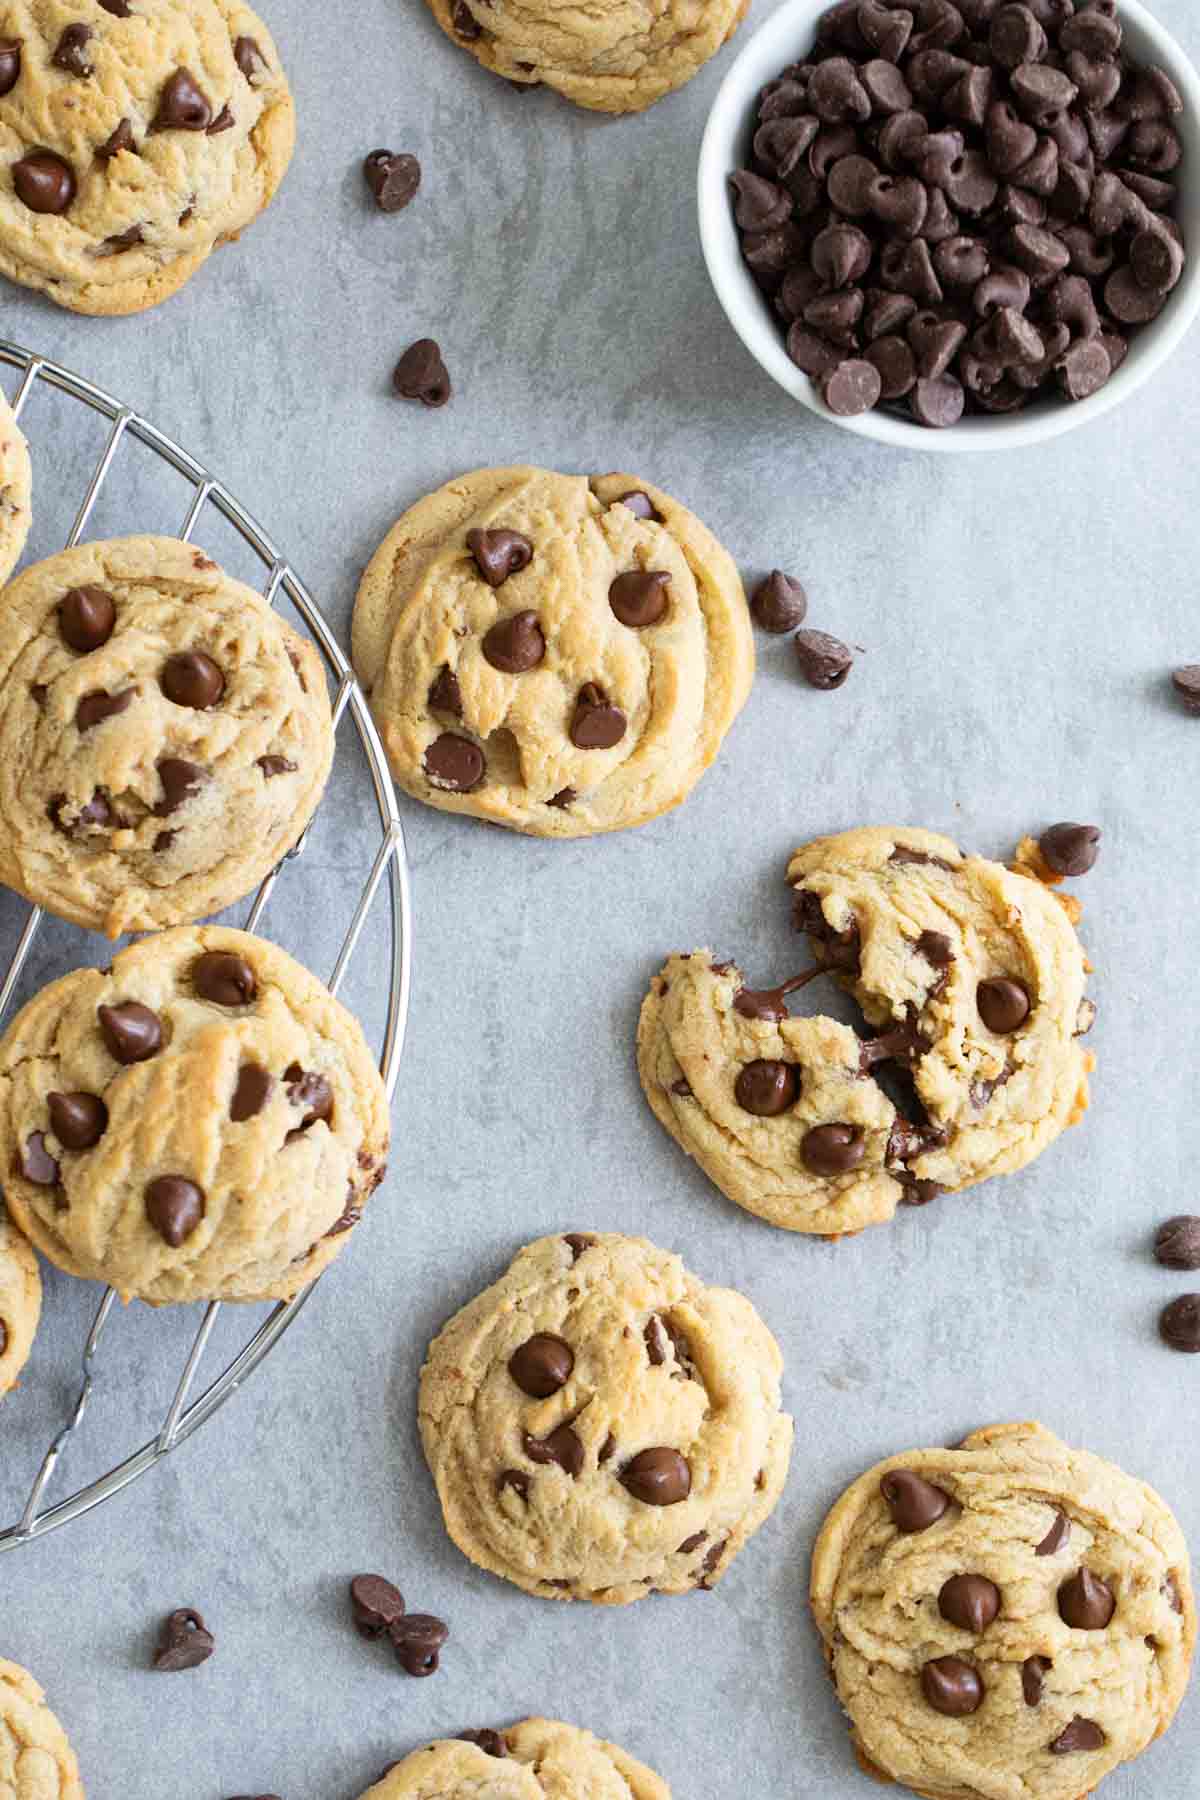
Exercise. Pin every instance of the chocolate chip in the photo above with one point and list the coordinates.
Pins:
(565, 797)
(577, 1242)
(393, 178)
(952, 1686)
(118, 140)
(454, 763)
(767, 1088)
(191, 678)
(499, 553)
(779, 603)
(639, 597)
(1057, 1537)
(897, 366)
(1085, 1602)
(44, 181)
(247, 54)
(96, 707)
(563, 1447)
(1179, 1324)
(224, 121)
(852, 388)
(71, 51)
(417, 1639)
(78, 1120)
(272, 766)
(1003, 1004)
(131, 1032)
(759, 204)
(422, 375)
(490, 1742)
(516, 1480)
(181, 105)
(1070, 849)
(376, 1604)
(915, 1504)
(37, 1164)
(1156, 258)
(1186, 682)
(938, 402)
(312, 1093)
(971, 1602)
(515, 645)
(10, 64)
(830, 1150)
(464, 21)
(224, 978)
(3, 1337)
(596, 724)
(639, 504)
(658, 1477)
(824, 661)
(1084, 370)
(174, 1206)
(936, 948)
(1033, 1678)
(184, 1642)
(120, 241)
(445, 694)
(251, 1093)
(1177, 1242)
(542, 1365)
(1080, 1734)
(180, 780)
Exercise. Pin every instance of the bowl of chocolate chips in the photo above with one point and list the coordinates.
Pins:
(956, 225)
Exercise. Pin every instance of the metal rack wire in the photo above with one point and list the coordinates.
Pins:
(185, 1415)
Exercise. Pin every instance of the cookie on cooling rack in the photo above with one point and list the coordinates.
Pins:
(36, 1761)
(164, 736)
(138, 137)
(971, 978)
(1012, 1616)
(16, 490)
(616, 58)
(202, 1121)
(601, 1425)
(528, 1761)
(20, 1303)
(552, 653)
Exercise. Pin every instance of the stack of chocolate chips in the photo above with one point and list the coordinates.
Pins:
(958, 205)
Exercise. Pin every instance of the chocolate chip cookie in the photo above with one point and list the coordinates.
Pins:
(616, 58)
(533, 1760)
(139, 135)
(202, 1121)
(552, 653)
(16, 490)
(20, 1302)
(164, 736)
(971, 980)
(1009, 1617)
(601, 1425)
(36, 1761)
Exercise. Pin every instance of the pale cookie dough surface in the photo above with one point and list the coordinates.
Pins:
(141, 221)
(656, 1361)
(424, 609)
(280, 1185)
(1011, 1489)
(164, 812)
(16, 491)
(20, 1302)
(36, 1761)
(619, 56)
(912, 927)
(538, 1759)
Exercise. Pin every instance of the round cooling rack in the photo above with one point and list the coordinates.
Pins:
(189, 1410)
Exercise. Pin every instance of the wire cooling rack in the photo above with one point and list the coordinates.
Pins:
(185, 1414)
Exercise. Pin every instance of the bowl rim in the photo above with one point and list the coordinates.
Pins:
(743, 305)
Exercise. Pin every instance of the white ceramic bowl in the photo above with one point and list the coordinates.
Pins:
(786, 37)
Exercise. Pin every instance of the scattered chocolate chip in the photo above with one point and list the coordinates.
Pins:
(915, 1504)
(771, 1003)
(454, 763)
(563, 1447)
(1070, 849)
(422, 375)
(499, 553)
(375, 1605)
(779, 603)
(96, 707)
(1179, 1324)
(120, 241)
(1058, 1536)
(37, 1164)
(767, 1088)
(565, 797)
(44, 181)
(393, 178)
(515, 1479)
(247, 54)
(490, 1742)
(658, 1477)
(639, 598)
(952, 1686)
(118, 140)
(640, 505)
(77, 1120)
(251, 1093)
(174, 1206)
(191, 678)
(1085, 1602)
(1080, 1734)
(71, 51)
(312, 1093)
(971, 1602)
(224, 121)
(131, 1032)
(224, 978)
(180, 781)
(515, 645)
(182, 106)
(1033, 1678)
(1003, 1004)
(936, 948)
(184, 1642)
(3, 1337)
(1186, 682)
(542, 1365)
(824, 661)
(417, 1639)
(831, 1150)
(275, 765)
(577, 1242)
(10, 64)
(464, 21)
(445, 694)
(596, 723)
(1177, 1242)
